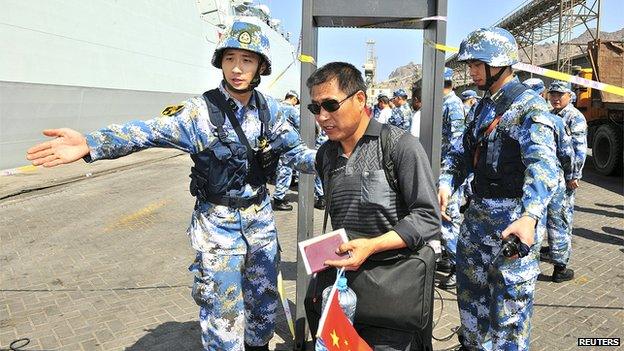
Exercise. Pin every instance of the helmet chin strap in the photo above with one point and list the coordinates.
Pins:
(489, 78)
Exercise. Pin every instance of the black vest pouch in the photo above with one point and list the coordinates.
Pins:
(223, 167)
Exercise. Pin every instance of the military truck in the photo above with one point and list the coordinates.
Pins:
(604, 111)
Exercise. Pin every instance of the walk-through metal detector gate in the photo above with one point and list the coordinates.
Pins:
(405, 14)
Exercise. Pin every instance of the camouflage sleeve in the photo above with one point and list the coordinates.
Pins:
(180, 130)
(565, 153)
(395, 118)
(537, 147)
(285, 139)
(406, 118)
(578, 129)
(454, 167)
(457, 121)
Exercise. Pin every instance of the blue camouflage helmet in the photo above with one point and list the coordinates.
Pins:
(536, 84)
(400, 92)
(560, 87)
(448, 74)
(246, 36)
(495, 46)
(469, 94)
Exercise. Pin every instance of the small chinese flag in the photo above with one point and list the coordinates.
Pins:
(337, 332)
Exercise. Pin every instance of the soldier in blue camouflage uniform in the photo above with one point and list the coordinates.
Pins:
(510, 147)
(402, 112)
(557, 220)
(470, 99)
(560, 230)
(453, 126)
(284, 173)
(232, 227)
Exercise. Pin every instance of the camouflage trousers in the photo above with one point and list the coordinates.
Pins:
(235, 282)
(559, 224)
(495, 300)
(283, 177)
(450, 229)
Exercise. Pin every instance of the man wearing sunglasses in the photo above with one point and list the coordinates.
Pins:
(359, 198)
(234, 135)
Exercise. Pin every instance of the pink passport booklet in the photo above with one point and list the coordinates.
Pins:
(321, 248)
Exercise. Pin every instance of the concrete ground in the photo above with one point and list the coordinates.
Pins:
(95, 257)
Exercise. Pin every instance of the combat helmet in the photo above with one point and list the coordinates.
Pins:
(536, 84)
(246, 36)
(494, 46)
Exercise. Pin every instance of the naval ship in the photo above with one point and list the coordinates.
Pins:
(86, 64)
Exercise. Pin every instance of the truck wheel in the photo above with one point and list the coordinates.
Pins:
(607, 150)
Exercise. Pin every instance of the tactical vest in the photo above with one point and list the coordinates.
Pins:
(227, 165)
(495, 155)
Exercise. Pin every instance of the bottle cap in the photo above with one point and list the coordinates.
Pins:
(342, 284)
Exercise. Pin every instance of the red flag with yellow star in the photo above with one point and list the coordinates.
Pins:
(337, 332)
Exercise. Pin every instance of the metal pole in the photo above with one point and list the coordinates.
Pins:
(598, 22)
(432, 85)
(305, 216)
(532, 48)
(559, 34)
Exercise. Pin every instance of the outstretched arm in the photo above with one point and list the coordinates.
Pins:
(67, 146)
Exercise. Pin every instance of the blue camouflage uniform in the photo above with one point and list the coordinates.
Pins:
(284, 173)
(237, 253)
(558, 220)
(321, 138)
(496, 300)
(453, 126)
(401, 115)
(561, 216)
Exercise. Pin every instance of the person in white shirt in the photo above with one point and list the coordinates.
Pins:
(386, 111)
(416, 105)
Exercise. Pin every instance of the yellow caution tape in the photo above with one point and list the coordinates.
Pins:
(307, 59)
(289, 318)
(548, 73)
(569, 78)
(18, 170)
(29, 168)
(441, 47)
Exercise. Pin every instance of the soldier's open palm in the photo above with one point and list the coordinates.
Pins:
(67, 146)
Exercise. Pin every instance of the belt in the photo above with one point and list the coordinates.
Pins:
(237, 201)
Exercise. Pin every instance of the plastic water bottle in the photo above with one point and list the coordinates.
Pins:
(347, 301)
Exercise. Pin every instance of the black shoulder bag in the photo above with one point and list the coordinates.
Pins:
(394, 288)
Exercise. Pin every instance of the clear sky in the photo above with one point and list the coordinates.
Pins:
(396, 47)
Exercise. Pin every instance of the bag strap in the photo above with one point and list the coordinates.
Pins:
(329, 163)
(387, 148)
(216, 98)
(502, 106)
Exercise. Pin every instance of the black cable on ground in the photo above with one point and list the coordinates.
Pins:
(454, 330)
(14, 347)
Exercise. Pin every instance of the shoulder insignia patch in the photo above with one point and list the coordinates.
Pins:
(172, 110)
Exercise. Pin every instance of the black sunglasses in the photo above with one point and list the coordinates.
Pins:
(328, 105)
